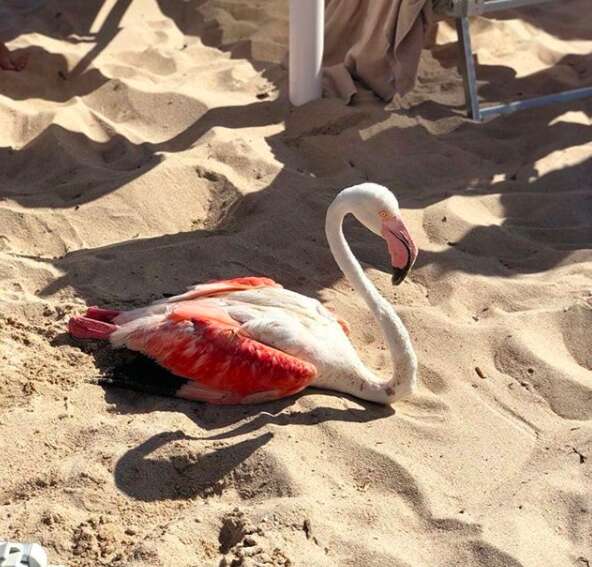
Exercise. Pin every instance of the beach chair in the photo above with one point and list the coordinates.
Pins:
(462, 10)
(306, 53)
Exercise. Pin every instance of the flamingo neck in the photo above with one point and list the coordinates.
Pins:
(404, 361)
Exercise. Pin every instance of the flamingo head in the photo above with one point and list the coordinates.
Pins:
(378, 209)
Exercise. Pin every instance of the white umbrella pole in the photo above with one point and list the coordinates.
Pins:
(307, 29)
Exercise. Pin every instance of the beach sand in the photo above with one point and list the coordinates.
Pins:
(150, 145)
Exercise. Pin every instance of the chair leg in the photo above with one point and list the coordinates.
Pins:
(467, 67)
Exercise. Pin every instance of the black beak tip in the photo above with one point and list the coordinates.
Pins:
(399, 275)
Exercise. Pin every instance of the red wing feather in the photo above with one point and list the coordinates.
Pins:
(214, 288)
(208, 347)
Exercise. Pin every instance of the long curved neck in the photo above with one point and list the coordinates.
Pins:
(397, 338)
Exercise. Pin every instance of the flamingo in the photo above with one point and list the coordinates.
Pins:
(249, 340)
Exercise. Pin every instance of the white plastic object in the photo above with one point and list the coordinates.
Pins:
(307, 30)
(22, 555)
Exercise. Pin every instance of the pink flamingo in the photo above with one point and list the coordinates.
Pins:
(248, 340)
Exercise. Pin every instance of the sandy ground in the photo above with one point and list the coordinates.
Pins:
(149, 146)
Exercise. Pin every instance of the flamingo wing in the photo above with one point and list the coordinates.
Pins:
(220, 361)
(211, 289)
(219, 287)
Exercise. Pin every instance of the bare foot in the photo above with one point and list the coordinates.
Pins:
(9, 62)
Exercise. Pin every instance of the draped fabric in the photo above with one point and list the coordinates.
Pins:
(376, 42)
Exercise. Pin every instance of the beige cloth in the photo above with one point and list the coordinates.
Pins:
(377, 42)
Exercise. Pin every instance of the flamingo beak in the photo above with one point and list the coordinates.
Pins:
(402, 249)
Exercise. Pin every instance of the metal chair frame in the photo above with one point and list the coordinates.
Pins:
(462, 10)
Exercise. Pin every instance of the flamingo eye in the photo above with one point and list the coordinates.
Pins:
(383, 214)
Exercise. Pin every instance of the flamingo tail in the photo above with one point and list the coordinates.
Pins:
(99, 314)
(87, 328)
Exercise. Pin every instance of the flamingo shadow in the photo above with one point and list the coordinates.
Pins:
(180, 476)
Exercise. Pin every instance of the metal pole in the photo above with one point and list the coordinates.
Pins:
(468, 67)
(537, 102)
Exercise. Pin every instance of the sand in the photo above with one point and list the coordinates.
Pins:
(150, 145)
